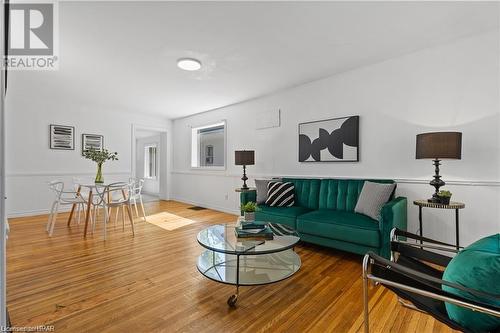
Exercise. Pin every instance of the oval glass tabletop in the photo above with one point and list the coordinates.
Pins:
(222, 238)
(253, 269)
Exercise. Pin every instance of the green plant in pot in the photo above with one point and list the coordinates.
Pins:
(100, 156)
(444, 197)
(249, 210)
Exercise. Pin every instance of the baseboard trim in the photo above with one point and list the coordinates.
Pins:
(35, 212)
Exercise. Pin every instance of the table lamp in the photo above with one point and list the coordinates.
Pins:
(437, 146)
(244, 157)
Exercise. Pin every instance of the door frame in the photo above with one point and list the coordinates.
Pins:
(163, 159)
(3, 231)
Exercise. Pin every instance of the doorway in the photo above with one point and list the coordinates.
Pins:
(149, 162)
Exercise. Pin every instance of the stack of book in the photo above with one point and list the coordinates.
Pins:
(254, 231)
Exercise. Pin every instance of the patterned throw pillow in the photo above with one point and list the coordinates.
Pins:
(280, 194)
(372, 197)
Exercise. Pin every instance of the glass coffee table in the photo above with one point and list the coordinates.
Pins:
(231, 260)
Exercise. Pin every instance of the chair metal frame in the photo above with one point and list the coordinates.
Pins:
(397, 246)
(137, 186)
(62, 198)
(107, 202)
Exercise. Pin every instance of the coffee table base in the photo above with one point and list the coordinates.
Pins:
(248, 270)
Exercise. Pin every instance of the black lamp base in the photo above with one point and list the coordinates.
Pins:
(437, 182)
(244, 179)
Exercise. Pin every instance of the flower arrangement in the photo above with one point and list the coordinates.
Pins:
(100, 156)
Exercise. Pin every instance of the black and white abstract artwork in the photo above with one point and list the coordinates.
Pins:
(62, 137)
(92, 141)
(332, 140)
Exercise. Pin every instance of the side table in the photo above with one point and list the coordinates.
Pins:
(452, 205)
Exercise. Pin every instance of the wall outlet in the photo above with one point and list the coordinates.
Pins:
(226, 196)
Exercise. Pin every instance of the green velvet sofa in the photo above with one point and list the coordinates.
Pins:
(324, 214)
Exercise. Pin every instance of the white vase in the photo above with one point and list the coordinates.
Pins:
(249, 216)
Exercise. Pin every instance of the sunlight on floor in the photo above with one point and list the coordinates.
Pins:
(169, 221)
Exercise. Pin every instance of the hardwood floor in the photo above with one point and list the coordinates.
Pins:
(149, 283)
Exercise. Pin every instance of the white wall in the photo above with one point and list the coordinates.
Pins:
(449, 87)
(30, 162)
(151, 186)
(216, 140)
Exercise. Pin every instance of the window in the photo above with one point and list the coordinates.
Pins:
(208, 146)
(150, 162)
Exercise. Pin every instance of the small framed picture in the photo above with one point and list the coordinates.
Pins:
(95, 141)
(62, 137)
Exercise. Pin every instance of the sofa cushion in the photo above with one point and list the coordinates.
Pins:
(476, 267)
(283, 215)
(372, 197)
(280, 194)
(261, 188)
(342, 194)
(306, 192)
(342, 225)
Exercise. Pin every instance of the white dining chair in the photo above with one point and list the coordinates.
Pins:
(136, 194)
(62, 198)
(115, 195)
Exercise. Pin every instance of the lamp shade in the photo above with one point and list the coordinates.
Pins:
(439, 145)
(244, 157)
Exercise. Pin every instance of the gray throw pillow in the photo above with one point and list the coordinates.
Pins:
(261, 186)
(372, 197)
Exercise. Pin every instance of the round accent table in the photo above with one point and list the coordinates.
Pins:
(241, 262)
(452, 205)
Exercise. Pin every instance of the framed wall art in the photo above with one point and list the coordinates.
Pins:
(331, 140)
(89, 141)
(62, 137)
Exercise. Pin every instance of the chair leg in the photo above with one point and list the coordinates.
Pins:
(78, 212)
(142, 207)
(54, 217)
(123, 218)
(365, 296)
(49, 222)
(116, 215)
(95, 218)
(135, 206)
(92, 221)
(129, 210)
(105, 220)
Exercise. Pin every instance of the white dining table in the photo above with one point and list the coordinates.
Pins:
(92, 187)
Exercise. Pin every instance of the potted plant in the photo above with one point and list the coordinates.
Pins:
(100, 156)
(249, 210)
(445, 197)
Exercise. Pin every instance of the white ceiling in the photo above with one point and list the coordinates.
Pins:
(123, 54)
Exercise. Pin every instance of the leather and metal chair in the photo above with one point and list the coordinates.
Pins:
(415, 274)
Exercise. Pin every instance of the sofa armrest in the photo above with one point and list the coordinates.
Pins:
(393, 215)
(247, 196)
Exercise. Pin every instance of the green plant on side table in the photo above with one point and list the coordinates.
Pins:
(249, 210)
(445, 197)
(100, 156)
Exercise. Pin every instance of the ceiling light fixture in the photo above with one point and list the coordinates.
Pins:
(189, 64)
